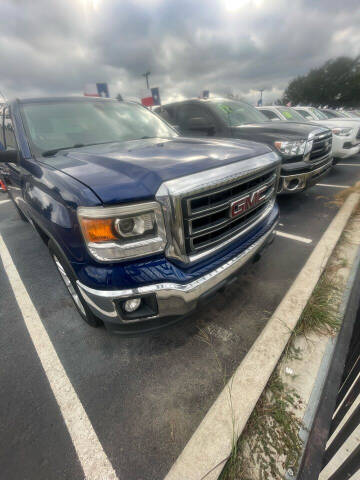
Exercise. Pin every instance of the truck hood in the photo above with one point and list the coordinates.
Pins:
(133, 170)
(271, 131)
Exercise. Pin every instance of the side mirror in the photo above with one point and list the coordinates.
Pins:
(201, 124)
(7, 156)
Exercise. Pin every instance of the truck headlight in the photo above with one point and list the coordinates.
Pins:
(291, 149)
(342, 132)
(123, 232)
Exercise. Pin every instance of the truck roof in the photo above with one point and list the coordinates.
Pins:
(205, 100)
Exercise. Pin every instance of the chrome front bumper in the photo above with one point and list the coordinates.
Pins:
(300, 181)
(173, 299)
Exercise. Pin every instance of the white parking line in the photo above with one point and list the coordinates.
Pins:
(349, 164)
(92, 457)
(293, 237)
(332, 186)
(4, 201)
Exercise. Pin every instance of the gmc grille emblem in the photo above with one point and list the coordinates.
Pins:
(244, 204)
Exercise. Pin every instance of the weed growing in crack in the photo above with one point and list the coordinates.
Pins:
(270, 443)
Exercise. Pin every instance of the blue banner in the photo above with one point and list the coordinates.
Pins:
(156, 95)
(103, 90)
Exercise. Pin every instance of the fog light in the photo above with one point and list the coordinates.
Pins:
(132, 304)
(293, 184)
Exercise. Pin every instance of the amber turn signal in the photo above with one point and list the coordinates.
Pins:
(97, 230)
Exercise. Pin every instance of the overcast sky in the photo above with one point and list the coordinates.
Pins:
(55, 47)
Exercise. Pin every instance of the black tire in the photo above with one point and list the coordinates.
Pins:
(66, 275)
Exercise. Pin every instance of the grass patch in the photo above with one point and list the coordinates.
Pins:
(270, 443)
(321, 314)
(343, 262)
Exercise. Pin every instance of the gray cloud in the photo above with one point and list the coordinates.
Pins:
(51, 47)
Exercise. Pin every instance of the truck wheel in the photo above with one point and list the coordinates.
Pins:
(70, 283)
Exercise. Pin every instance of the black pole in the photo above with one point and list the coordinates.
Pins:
(146, 75)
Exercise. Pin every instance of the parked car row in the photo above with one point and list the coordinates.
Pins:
(346, 131)
(331, 113)
(142, 223)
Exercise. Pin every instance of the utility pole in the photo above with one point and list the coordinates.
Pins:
(261, 91)
(146, 75)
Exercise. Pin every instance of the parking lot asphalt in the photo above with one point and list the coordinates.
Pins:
(144, 395)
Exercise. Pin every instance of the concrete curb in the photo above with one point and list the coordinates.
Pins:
(204, 455)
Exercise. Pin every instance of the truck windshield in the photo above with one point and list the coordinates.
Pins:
(291, 114)
(238, 113)
(59, 125)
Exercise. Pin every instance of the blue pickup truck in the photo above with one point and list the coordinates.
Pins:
(142, 224)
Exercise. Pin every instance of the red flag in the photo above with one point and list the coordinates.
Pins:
(147, 101)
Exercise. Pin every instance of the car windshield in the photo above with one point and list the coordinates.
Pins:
(336, 114)
(59, 125)
(351, 114)
(291, 114)
(238, 113)
(319, 115)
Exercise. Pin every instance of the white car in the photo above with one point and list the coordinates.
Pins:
(346, 131)
(329, 113)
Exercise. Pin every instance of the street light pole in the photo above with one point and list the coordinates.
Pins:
(146, 75)
(261, 92)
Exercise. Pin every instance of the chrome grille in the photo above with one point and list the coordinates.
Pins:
(322, 144)
(207, 217)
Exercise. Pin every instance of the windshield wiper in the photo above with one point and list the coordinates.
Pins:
(54, 151)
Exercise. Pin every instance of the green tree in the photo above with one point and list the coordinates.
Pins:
(336, 83)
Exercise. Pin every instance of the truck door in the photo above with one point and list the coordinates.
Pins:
(13, 172)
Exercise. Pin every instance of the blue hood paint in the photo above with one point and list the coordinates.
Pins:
(134, 170)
